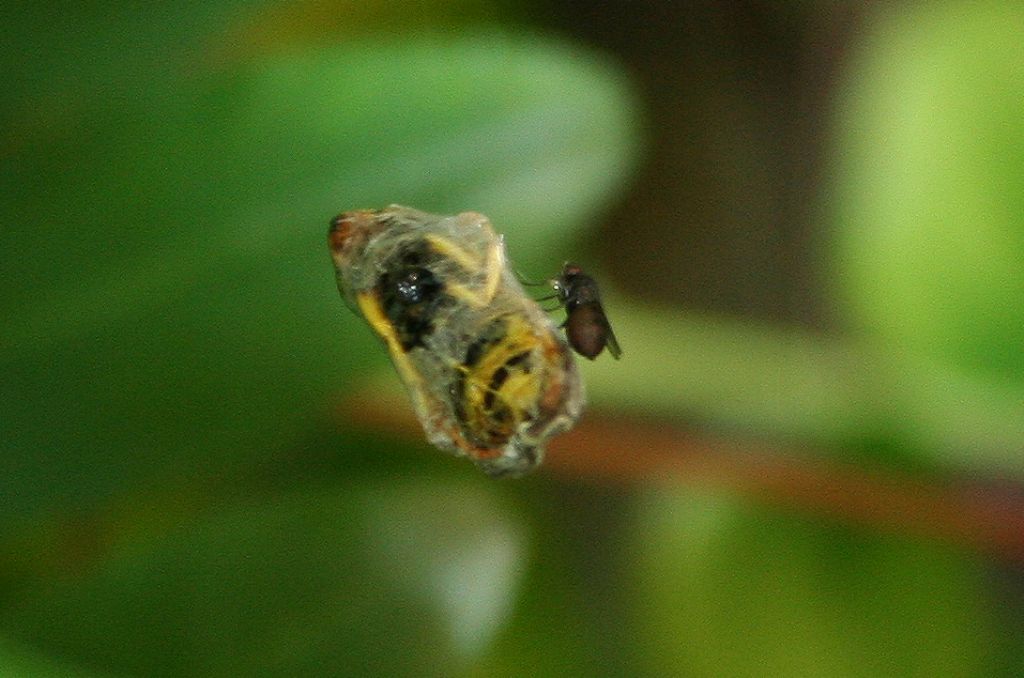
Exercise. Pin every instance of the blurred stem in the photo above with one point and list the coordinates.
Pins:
(782, 382)
(645, 453)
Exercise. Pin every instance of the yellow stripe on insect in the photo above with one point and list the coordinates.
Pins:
(518, 389)
(488, 372)
(450, 250)
(493, 266)
(370, 307)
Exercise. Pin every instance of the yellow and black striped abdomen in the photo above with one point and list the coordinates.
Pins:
(500, 381)
(489, 375)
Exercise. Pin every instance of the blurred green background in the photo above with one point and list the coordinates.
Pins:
(808, 220)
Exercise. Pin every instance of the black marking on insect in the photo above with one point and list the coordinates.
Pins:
(410, 294)
(586, 325)
(486, 342)
(489, 374)
(478, 393)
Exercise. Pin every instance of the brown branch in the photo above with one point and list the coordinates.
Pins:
(620, 451)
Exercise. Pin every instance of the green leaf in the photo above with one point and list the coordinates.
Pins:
(821, 390)
(564, 620)
(171, 308)
(728, 590)
(373, 578)
(930, 188)
(22, 662)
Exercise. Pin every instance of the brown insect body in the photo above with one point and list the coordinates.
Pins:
(586, 325)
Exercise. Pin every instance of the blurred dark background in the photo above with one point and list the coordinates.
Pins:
(737, 98)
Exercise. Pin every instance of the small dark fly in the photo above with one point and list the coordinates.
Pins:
(586, 325)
